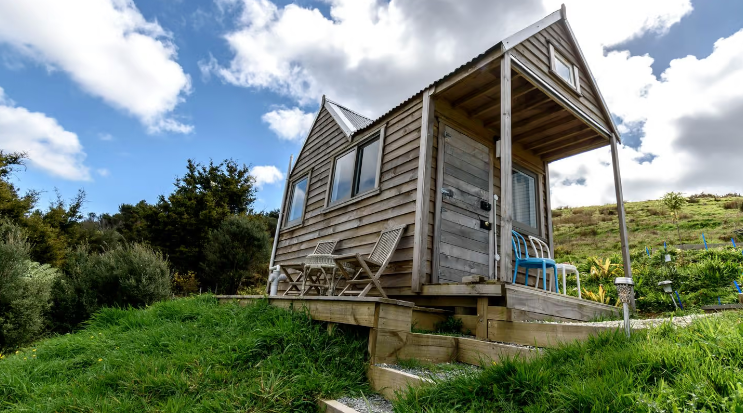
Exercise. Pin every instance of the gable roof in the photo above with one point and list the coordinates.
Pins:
(347, 119)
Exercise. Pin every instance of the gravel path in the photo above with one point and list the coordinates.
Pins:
(439, 372)
(637, 324)
(372, 403)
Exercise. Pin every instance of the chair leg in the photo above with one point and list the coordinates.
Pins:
(557, 282)
(515, 271)
(526, 277)
(544, 276)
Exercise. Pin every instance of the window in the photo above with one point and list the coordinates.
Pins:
(297, 200)
(525, 200)
(563, 69)
(356, 172)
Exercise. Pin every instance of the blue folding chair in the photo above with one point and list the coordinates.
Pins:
(523, 260)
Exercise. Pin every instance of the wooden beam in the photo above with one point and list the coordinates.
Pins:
(519, 91)
(547, 130)
(537, 120)
(579, 130)
(550, 230)
(481, 332)
(540, 334)
(560, 143)
(530, 299)
(623, 236)
(529, 106)
(487, 61)
(463, 289)
(482, 90)
(589, 145)
(390, 382)
(334, 406)
(505, 168)
(422, 200)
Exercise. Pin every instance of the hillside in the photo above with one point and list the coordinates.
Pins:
(185, 355)
(585, 232)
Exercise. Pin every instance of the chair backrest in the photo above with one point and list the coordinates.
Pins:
(516, 241)
(543, 251)
(386, 244)
(325, 247)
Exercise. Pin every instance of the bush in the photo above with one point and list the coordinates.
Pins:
(133, 275)
(235, 252)
(25, 288)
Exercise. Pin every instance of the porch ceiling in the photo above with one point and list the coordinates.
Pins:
(539, 123)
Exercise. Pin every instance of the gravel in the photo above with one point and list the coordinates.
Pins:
(637, 324)
(438, 372)
(372, 403)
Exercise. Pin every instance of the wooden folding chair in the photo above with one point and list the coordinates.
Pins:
(299, 285)
(378, 259)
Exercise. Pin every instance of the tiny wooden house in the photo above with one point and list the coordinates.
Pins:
(461, 163)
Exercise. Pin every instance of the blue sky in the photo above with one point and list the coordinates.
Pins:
(283, 57)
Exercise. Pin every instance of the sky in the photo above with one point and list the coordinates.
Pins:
(113, 96)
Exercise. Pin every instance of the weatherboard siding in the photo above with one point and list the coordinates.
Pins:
(357, 225)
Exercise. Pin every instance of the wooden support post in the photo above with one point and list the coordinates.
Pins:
(482, 319)
(620, 213)
(550, 231)
(506, 223)
(423, 196)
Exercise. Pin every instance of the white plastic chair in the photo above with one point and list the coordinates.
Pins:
(544, 252)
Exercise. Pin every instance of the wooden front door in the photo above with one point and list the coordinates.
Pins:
(466, 224)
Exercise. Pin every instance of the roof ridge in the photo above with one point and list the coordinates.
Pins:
(346, 108)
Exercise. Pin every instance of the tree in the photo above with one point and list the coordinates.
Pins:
(12, 205)
(674, 201)
(235, 252)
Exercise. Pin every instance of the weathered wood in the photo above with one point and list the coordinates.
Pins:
(505, 169)
(540, 334)
(498, 313)
(481, 331)
(473, 279)
(469, 323)
(425, 319)
(395, 345)
(622, 217)
(390, 383)
(552, 304)
(334, 406)
(422, 203)
(482, 353)
(722, 307)
(550, 229)
(461, 289)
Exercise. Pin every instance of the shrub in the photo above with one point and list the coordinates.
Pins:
(735, 204)
(25, 288)
(185, 284)
(235, 252)
(133, 275)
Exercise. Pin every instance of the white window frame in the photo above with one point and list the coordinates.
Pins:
(377, 133)
(520, 226)
(287, 207)
(554, 55)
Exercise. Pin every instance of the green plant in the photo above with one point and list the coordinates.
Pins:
(599, 297)
(674, 201)
(449, 325)
(185, 284)
(605, 270)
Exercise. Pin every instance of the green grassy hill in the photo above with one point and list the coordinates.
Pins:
(186, 355)
(585, 232)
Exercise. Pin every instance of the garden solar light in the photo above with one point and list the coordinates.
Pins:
(668, 289)
(625, 291)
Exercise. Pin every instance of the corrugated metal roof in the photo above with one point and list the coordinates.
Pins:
(357, 120)
(348, 120)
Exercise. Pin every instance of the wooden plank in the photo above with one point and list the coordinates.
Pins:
(465, 221)
(360, 314)
(469, 323)
(422, 204)
(462, 289)
(470, 166)
(452, 181)
(468, 254)
(394, 317)
(552, 304)
(390, 382)
(461, 264)
(481, 330)
(425, 320)
(334, 406)
(521, 315)
(483, 354)
(463, 241)
(540, 334)
(623, 237)
(497, 313)
(505, 168)
(722, 307)
(452, 170)
(394, 345)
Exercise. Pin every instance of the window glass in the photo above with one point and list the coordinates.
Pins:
(564, 69)
(524, 199)
(297, 201)
(366, 175)
(343, 177)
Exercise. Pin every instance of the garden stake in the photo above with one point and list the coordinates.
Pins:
(665, 247)
(733, 241)
(647, 251)
(718, 301)
(680, 303)
(705, 241)
(737, 287)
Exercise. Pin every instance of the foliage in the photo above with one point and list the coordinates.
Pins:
(697, 368)
(131, 275)
(234, 252)
(604, 271)
(599, 297)
(184, 284)
(674, 201)
(190, 354)
(450, 325)
(25, 288)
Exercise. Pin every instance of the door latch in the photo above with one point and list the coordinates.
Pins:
(485, 205)
(447, 192)
(486, 225)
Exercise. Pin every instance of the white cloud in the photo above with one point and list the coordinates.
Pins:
(108, 48)
(289, 124)
(103, 172)
(48, 146)
(106, 137)
(268, 174)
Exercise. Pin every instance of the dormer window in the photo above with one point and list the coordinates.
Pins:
(564, 70)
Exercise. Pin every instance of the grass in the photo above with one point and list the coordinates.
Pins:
(667, 369)
(590, 231)
(186, 355)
